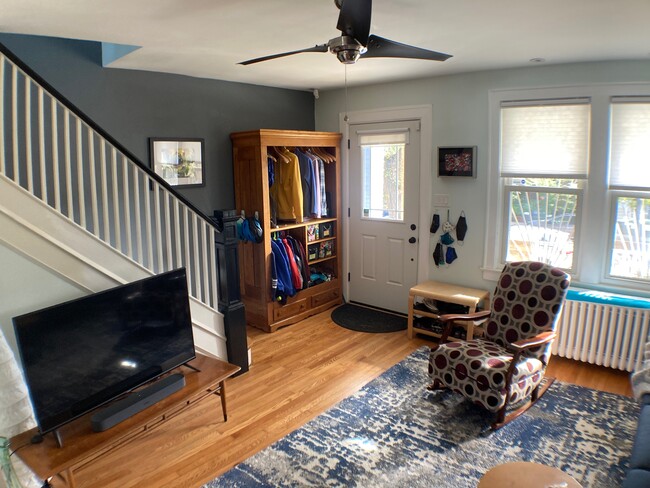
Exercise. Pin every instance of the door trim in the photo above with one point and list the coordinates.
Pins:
(423, 113)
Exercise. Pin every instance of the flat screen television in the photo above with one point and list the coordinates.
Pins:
(81, 354)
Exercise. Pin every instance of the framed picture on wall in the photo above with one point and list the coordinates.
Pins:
(179, 161)
(457, 161)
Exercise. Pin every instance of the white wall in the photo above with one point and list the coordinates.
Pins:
(25, 287)
(460, 117)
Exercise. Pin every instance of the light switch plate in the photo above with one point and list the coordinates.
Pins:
(440, 200)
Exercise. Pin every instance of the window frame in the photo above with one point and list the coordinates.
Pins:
(615, 194)
(595, 216)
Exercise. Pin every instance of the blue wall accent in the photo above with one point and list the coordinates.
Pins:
(111, 51)
(135, 105)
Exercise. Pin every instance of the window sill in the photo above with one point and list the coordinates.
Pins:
(491, 274)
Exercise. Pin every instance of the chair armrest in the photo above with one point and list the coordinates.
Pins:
(538, 340)
(468, 316)
(448, 321)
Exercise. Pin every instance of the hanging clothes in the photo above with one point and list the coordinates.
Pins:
(323, 193)
(296, 276)
(301, 259)
(306, 180)
(285, 284)
(273, 207)
(316, 205)
(287, 190)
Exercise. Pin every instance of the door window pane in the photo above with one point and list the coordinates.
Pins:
(631, 252)
(541, 226)
(382, 176)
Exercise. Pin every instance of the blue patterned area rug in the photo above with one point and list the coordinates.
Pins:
(394, 432)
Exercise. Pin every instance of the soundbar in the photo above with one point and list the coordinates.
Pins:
(136, 402)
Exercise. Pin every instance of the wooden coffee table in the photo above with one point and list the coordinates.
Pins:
(526, 475)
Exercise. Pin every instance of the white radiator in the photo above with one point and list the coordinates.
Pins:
(602, 334)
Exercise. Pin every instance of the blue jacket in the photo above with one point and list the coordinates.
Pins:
(283, 270)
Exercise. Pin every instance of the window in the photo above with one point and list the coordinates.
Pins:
(569, 182)
(382, 173)
(629, 183)
(544, 162)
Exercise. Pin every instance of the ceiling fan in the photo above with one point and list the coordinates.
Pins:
(356, 41)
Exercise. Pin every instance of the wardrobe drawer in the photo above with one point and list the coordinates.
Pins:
(289, 310)
(325, 297)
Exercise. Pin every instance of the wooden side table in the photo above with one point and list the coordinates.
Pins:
(460, 295)
(522, 474)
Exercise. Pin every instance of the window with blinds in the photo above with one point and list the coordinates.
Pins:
(544, 160)
(629, 182)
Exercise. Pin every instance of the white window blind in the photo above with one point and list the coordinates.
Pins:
(630, 144)
(394, 136)
(549, 139)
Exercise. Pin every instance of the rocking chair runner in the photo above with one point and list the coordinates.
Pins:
(508, 365)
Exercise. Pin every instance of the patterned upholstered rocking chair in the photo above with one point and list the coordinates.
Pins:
(508, 364)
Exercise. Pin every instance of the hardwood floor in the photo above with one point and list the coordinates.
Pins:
(297, 373)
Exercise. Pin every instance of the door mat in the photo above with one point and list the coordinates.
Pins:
(364, 319)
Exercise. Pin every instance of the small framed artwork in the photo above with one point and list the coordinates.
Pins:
(180, 162)
(457, 161)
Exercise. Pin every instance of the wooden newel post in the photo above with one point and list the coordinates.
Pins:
(230, 304)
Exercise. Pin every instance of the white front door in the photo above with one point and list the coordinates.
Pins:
(384, 212)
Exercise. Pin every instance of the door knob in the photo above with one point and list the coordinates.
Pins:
(413, 227)
(412, 240)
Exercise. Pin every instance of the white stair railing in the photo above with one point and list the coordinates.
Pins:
(61, 159)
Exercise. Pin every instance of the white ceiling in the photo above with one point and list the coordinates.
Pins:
(207, 38)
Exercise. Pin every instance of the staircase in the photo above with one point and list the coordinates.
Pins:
(76, 202)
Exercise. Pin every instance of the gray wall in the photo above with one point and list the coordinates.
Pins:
(30, 287)
(460, 118)
(135, 105)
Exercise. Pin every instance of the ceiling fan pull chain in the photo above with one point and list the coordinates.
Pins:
(346, 118)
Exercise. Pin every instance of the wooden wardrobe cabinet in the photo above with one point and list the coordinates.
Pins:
(250, 161)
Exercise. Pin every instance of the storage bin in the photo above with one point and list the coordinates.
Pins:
(326, 230)
(312, 252)
(313, 233)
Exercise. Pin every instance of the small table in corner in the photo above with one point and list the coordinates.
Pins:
(460, 295)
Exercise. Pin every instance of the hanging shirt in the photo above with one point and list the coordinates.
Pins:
(316, 208)
(273, 206)
(306, 180)
(287, 190)
(323, 194)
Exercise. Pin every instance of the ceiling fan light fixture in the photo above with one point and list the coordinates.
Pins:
(347, 49)
(355, 40)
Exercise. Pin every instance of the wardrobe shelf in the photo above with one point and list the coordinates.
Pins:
(304, 223)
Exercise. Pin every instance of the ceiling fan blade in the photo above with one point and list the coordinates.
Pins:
(354, 19)
(322, 48)
(378, 47)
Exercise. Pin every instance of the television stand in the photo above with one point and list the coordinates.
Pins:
(83, 446)
(58, 438)
(188, 365)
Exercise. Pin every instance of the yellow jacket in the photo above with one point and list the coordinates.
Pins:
(287, 189)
